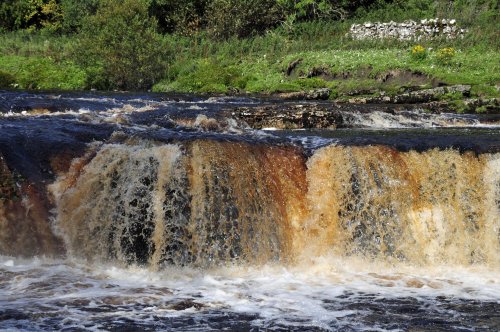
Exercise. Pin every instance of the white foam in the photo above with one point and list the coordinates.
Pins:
(377, 119)
(290, 295)
(9, 263)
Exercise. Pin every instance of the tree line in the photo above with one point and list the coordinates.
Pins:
(127, 44)
(120, 44)
(220, 18)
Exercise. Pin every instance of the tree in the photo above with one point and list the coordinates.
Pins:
(184, 17)
(242, 18)
(13, 14)
(75, 11)
(44, 14)
(120, 47)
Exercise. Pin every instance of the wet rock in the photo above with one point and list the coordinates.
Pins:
(318, 94)
(12, 314)
(186, 304)
(418, 96)
(432, 94)
(491, 106)
(289, 116)
(359, 92)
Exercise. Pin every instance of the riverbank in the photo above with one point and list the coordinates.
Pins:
(364, 75)
(316, 59)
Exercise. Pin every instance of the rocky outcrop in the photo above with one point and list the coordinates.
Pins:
(419, 96)
(318, 94)
(329, 115)
(408, 30)
(294, 116)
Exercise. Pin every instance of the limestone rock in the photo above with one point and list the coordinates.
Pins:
(318, 94)
(407, 30)
(296, 116)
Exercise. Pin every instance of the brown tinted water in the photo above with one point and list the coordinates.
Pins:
(150, 212)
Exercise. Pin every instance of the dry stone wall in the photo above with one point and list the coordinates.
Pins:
(408, 30)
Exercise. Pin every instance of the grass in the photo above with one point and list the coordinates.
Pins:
(259, 64)
(258, 73)
(39, 61)
(42, 73)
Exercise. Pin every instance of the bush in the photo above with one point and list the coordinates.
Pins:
(185, 17)
(43, 73)
(120, 48)
(6, 80)
(242, 18)
(209, 76)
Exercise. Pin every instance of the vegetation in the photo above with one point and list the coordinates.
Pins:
(192, 46)
(120, 48)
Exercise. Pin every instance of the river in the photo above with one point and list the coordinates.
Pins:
(145, 212)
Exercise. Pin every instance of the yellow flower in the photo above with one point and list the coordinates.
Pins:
(418, 52)
(445, 55)
(418, 49)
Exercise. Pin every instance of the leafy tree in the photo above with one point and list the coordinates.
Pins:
(242, 18)
(75, 12)
(184, 17)
(303, 10)
(12, 14)
(44, 14)
(120, 47)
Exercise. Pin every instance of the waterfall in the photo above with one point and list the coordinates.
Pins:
(207, 202)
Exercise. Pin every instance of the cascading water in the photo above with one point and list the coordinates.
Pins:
(200, 204)
(206, 203)
(155, 219)
(435, 207)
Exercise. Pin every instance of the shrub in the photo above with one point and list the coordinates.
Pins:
(6, 80)
(444, 56)
(120, 48)
(75, 12)
(242, 18)
(210, 76)
(418, 53)
(185, 17)
(43, 73)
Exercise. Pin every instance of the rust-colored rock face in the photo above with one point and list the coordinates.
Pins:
(25, 229)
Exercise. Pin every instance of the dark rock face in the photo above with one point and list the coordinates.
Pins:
(290, 116)
(292, 65)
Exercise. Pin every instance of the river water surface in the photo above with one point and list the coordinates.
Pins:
(122, 212)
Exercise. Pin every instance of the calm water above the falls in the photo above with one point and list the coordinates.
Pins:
(145, 212)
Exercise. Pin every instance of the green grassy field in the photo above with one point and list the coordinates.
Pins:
(342, 71)
(326, 57)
